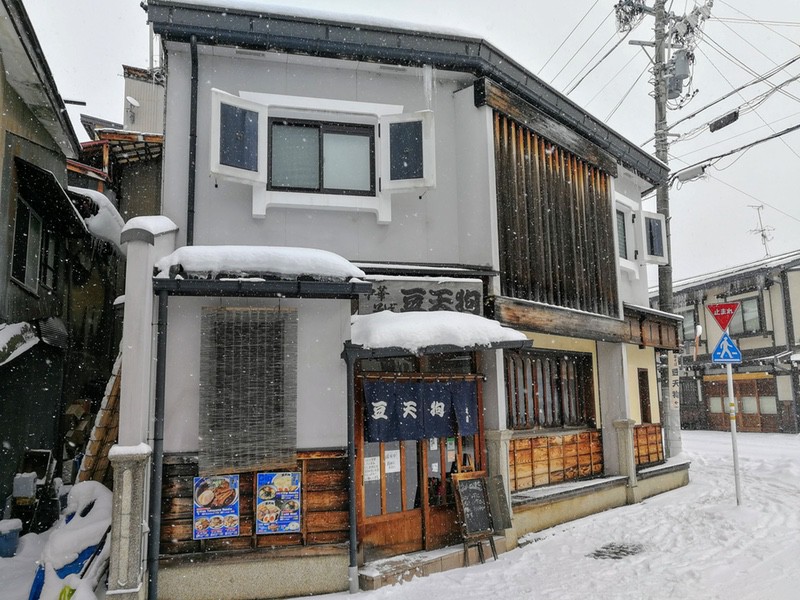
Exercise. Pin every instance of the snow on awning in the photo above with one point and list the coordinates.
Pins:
(107, 223)
(416, 331)
(257, 261)
(16, 338)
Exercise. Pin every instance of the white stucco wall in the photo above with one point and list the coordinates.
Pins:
(430, 229)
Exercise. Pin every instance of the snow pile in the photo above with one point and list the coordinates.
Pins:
(16, 338)
(107, 224)
(84, 525)
(244, 261)
(414, 330)
(16, 573)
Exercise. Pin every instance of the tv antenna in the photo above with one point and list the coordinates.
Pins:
(763, 230)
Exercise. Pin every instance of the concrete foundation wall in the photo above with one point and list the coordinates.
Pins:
(254, 577)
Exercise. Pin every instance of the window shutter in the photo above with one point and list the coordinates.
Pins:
(248, 390)
(407, 151)
(654, 236)
(238, 138)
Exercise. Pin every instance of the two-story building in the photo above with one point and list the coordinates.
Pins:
(764, 328)
(384, 257)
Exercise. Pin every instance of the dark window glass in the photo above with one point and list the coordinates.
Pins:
(622, 238)
(747, 319)
(689, 325)
(405, 142)
(655, 240)
(238, 137)
(27, 246)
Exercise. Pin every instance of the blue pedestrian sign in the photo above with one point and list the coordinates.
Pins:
(726, 351)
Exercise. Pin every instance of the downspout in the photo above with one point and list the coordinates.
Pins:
(349, 359)
(154, 521)
(192, 143)
(790, 342)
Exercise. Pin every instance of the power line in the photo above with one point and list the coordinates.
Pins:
(760, 23)
(602, 58)
(561, 45)
(599, 25)
(630, 89)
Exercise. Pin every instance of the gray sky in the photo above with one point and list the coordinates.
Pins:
(87, 41)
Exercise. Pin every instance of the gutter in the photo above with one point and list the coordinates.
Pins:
(192, 145)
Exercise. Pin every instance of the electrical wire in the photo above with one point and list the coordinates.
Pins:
(593, 67)
(599, 25)
(760, 23)
(630, 89)
(561, 45)
(758, 79)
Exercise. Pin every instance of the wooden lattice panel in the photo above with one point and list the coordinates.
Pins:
(648, 444)
(549, 459)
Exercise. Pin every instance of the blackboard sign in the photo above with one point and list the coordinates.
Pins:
(473, 506)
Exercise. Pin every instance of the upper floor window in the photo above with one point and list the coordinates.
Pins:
(689, 324)
(322, 157)
(747, 319)
(654, 235)
(360, 155)
(622, 234)
(28, 234)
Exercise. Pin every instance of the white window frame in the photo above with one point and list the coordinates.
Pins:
(630, 263)
(323, 109)
(652, 258)
(218, 98)
(428, 179)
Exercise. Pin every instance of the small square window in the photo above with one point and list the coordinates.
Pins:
(654, 238)
(769, 405)
(238, 131)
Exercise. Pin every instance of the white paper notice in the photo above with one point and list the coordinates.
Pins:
(372, 468)
(391, 460)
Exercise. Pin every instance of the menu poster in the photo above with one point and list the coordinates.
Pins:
(216, 507)
(277, 503)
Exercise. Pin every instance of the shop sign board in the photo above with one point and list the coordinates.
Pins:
(216, 507)
(407, 294)
(277, 503)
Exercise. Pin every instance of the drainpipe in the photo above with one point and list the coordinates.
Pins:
(192, 144)
(154, 521)
(790, 344)
(349, 359)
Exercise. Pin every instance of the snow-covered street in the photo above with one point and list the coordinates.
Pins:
(695, 542)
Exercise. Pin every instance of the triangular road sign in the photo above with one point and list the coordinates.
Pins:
(726, 351)
(723, 313)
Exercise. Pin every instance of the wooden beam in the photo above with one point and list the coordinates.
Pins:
(544, 318)
(489, 93)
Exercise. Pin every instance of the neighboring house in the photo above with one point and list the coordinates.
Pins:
(376, 266)
(765, 329)
(55, 313)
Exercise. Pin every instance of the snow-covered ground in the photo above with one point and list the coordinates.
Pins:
(695, 542)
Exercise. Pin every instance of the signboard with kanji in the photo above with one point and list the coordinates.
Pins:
(723, 313)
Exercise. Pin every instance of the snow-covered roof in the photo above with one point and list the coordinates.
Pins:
(414, 331)
(107, 224)
(246, 261)
(16, 338)
(765, 264)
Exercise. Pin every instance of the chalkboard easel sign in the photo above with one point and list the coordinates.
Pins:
(474, 514)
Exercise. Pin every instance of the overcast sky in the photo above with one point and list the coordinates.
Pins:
(87, 41)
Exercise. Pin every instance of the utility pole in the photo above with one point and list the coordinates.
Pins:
(680, 34)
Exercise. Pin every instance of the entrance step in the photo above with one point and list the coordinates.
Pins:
(397, 569)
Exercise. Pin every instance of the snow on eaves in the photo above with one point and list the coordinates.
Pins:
(107, 224)
(413, 331)
(16, 338)
(245, 261)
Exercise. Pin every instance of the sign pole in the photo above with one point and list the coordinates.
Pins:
(732, 408)
(726, 352)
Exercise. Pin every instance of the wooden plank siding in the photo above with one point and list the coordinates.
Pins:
(555, 223)
(547, 459)
(324, 509)
(648, 444)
